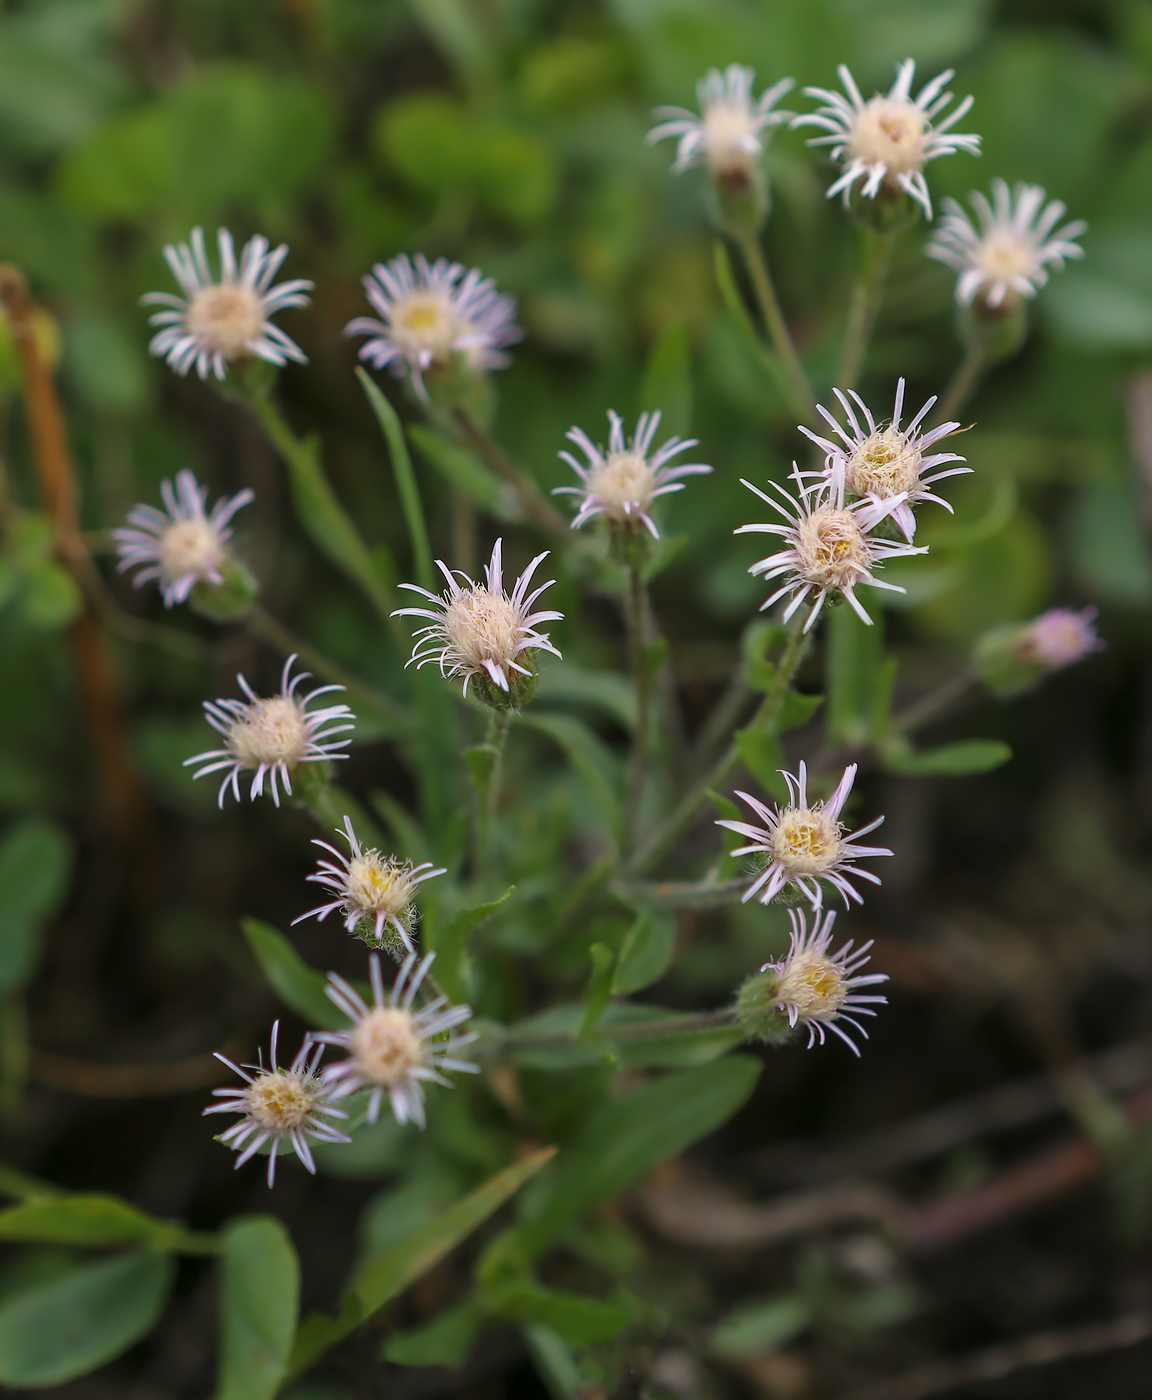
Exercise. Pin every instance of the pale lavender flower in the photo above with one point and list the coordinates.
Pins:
(184, 546)
(728, 135)
(279, 1106)
(817, 989)
(431, 312)
(479, 629)
(887, 141)
(1058, 638)
(804, 843)
(272, 736)
(1007, 256)
(393, 1049)
(884, 463)
(622, 483)
(829, 550)
(216, 322)
(370, 886)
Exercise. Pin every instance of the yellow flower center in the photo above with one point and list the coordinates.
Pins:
(272, 731)
(279, 1101)
(425, 322)
(814, 985)
(623, 478)
(385, 1045)
(1004, 256)
(889, 133)
(886, 464)
(806, 840)
(189, 547)
(377, 883)
(831, 548)
(482, 626)
(725, 127)
(226, 318)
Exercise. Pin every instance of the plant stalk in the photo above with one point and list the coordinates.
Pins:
(777, 327)
(875, 251)
(543, 514)
(637, 608)
(963, 384)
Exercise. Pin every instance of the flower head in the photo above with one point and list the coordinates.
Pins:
(184, 546)
(372, 887)
(804, 843)
(1058, 638)
(622, 483)
(393, 1049)
(214, 323)
(480, 631)
(272, 736)
(812, 987)
(829, 550)
(887, 141)
(279, 1106)
(728, 135)
(1008, 255)
(889, 466)
(428, 315)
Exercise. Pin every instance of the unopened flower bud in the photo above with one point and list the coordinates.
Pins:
(1012, 660)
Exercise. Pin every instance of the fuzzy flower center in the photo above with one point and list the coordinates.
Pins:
(189, 547)
(831, 548)
(884, 465)
(226, 318)
(814, 985)
(727, 127)
(623, 480)
(376, 883)
(482, 626)
(889, 133)
(806, 840)
(1005, 257)
(385, 1046)
(272, 731)
(425, 322)
(280, 1101)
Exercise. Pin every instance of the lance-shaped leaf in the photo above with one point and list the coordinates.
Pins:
(298, 986)
(95, 1222)
(259, 1299)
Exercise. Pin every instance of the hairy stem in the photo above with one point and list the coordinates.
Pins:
(875, 250)
(964, 383)
(488, 796)
(637, 608)
(769, 305)
(546, 516)
(662, 841)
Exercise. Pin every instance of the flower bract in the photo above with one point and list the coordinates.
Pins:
(217, 322)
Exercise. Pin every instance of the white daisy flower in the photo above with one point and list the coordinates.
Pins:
(622, 483)
(885, 463)
(480, 631)
(431, 312)
(1058, 638)
(887, 140)
(1007, 256)
(804, 843)
(272, 736)
(214, 323)
(728, 135)
(182, 545)
(393, 1049)
(279, 1106)
(828, 550)
(818, 989)
(369, 886)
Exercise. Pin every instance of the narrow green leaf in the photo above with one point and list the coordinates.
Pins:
(554, 1363)
(446, 1341)
(589, 756)
(667, 383)
(35, 867)
(760, 1325)
(382, 1278)
(577, 1320)
(630, 1136)
(466, 472)
(56, 1331)
(966, 757)
(93, 1221)
(298, 986)
(405, 478)
(481, 761)
(796, 710)
(646, 952)
(759, 639)
(260, 1293)
(451, 940)
(762, 755)
(855, 658)
(599, 988)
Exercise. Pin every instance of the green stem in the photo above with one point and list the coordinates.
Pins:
(964, 383)
(637, 608)
(264, 626)
(875, 250)
(677, 894)
(769, 305)
(405, 479)
(318, 508)
(488, 796)
(546, 516)
(662, 841)
(661, 1029)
